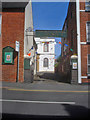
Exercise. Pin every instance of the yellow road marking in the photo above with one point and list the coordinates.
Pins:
(16, 89)
(46, 90)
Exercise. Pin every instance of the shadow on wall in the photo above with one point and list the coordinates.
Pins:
(73, 111)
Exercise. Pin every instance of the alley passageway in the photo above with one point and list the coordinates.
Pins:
(50, 78)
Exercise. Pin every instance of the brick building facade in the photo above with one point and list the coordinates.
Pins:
(13, 21)
(77, 25)
(85, 42)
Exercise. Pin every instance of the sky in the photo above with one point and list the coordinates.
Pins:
(50, 16)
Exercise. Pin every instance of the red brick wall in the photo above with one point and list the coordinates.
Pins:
(84, 60)
(82, 5)
(12, 31)
(71, 25)
(64, 66)
(85, 49)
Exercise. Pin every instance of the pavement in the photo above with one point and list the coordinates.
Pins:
(45, 85)
(46, 81)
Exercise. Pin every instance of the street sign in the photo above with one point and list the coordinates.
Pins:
(51, 33)
(17, 46)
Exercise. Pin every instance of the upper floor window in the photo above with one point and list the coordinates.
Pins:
(45, 62)
(46, 47)
(88, 31)
(87, 5)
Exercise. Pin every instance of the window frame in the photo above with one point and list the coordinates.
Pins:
(45, 65)
(87, 40)
(87, 2)
(88, 64)
(45, 44)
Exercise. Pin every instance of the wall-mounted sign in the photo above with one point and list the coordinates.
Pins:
(17, 46)
(74, 65)
(51, 33)
(8, 57)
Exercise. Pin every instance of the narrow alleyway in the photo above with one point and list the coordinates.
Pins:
(50, 78)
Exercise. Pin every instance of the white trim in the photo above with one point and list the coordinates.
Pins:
(78, 40)
(83, 43)
(40, 102)
(82, 10)
(84, 77)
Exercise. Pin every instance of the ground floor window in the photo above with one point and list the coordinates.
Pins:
(45, 62)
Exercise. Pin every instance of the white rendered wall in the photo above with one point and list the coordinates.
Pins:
(50, 54)
(40, 46)
(50, 67)
(41, 51)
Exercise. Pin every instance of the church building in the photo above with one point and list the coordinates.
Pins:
(45, 54)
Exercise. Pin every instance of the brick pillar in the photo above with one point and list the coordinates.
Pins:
(74, 76)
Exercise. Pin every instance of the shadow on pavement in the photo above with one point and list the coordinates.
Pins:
(74, 111)
(55, 77)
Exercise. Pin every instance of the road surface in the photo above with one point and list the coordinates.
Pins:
(67, 102)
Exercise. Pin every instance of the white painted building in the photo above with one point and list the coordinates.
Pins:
(28, 37)
(46, 54)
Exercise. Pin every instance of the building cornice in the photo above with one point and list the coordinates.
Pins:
(14, 3)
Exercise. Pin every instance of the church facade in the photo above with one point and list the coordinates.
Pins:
(45, 54)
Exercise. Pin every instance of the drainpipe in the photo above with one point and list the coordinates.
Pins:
(78, 39)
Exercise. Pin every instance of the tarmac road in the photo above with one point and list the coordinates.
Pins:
(63, 101)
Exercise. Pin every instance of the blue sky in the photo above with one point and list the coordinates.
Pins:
(49, 16)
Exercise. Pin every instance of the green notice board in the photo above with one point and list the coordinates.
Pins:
(8, 57)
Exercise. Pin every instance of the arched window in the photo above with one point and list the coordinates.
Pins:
(45, 62)
(46, 47)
